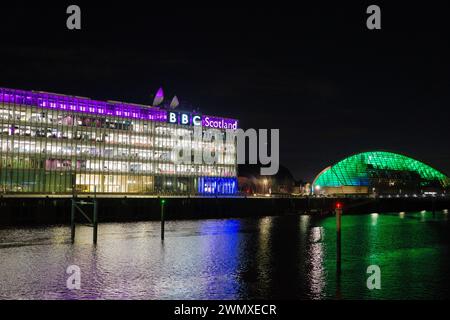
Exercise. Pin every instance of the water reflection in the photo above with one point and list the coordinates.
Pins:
(316, 255)
(374, 219)
(290, 257)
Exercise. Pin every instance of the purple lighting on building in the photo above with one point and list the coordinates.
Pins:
(60, 102)
(114, 109)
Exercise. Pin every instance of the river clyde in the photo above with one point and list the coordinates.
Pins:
(286, 257)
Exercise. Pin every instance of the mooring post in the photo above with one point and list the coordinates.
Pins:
(162, 218)
(72, 220)
(95, 221)
(433, 206)
(338, 237)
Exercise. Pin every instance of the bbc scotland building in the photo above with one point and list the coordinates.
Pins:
(59, 144)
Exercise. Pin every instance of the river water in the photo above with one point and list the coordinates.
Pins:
(289, 257)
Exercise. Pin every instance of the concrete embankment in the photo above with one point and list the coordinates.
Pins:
(56, 210)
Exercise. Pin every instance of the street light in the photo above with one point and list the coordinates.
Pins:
(316, 189)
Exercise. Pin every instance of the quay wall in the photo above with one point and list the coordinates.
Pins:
(56, 210)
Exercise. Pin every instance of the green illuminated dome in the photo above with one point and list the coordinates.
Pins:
(381, 172)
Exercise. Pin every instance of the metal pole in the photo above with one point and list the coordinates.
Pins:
(433, 207)
(72, 213)
(338, 240)
(95, 222)
(72, 220)
(162, 220)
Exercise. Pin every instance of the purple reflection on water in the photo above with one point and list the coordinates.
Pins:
(290, 257)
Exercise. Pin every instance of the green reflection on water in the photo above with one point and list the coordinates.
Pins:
(411, 250)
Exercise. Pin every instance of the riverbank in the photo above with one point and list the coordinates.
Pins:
(56, 210)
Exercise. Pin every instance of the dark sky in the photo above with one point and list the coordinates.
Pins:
(318, 74)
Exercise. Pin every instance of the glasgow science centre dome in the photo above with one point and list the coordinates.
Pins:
(380, 172)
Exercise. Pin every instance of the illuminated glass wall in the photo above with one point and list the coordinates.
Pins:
(378, 168)
(217, 186)
(49, 143)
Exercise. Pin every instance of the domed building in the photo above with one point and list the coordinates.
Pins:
(379, 172)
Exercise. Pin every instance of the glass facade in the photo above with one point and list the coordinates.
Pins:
(50, 144)
(381, 171)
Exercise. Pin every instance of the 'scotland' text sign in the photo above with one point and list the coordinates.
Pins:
(189, 119)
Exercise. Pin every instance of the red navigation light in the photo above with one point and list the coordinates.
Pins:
(338, 205)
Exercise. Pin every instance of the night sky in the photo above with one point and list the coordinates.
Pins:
(330, 85)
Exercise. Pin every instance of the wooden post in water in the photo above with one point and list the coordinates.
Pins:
(338, 237)
(72, 220)
(162, 202)
(72, 210)
(95, 222)
(433, 206)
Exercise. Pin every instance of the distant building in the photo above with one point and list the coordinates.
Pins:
(379, 172)
(251, 182)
